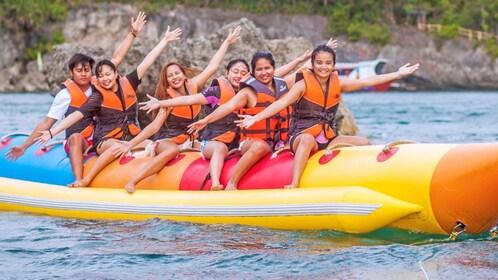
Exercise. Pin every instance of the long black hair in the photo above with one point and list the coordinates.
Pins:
(98, 67)
(262, 54)
(322, 48)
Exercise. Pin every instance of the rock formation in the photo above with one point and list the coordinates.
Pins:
(192, 52)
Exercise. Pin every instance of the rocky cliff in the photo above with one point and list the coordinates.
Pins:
(454, 64)
(98, 29)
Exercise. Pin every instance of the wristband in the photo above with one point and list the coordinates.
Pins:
(51, 136)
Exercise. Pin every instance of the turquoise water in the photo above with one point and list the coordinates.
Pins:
(38, 247)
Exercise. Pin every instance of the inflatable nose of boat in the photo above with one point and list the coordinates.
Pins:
(464, 188)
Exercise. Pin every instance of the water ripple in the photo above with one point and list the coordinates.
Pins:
(39, 247)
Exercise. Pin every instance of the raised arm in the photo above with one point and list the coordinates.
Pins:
(135, 27)
(63, 125)
(296, 92)
(147, 132)
(154, 103)
(244, 97)
(215, 62)
(156, 51)
(352, 85)
(291, 79)
(287, 68)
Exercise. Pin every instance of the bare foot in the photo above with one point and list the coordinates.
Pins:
(217, 187)
(291, 186)
(130, 187)
(78, 184)
(230, 187)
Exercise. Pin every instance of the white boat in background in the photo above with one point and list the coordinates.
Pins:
(361, 70)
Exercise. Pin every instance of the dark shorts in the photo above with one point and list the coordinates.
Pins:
(321, 146)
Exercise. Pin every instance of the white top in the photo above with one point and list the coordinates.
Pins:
(61, 103)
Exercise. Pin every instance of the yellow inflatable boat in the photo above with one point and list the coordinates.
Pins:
(432, 188)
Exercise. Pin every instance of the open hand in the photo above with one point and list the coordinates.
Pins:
(121, 149)
(245, 121)
(138, 24)
(150, 105)
(14, 153)
(408, 69)
(197, 126)
(233, 36)
(45, 136)
(172, 35)
(305, 56)
(332, 43)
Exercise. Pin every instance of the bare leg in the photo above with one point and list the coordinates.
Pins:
(76, 144)
(105, 157)
(252, 151)
(166, 151)
(215, 151)
(355, 140)
(304, 144)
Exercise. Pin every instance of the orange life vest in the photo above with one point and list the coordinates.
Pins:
(78, 97)
(117, 119)
(275, 127)
(175, 126)
(224, 129)
(317, 109)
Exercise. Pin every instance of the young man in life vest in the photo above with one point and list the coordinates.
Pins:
(315, 98)
(115, 107)
(73, 94)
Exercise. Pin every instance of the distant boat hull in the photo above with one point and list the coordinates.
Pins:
(378, 88)
(362, 70)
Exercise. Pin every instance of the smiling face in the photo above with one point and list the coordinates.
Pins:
(236, 73)
(263, 71)
(81, 74)
(323, 64)
(107, 77)
(175, 76)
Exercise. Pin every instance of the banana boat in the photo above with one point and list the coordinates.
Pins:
(432, 188)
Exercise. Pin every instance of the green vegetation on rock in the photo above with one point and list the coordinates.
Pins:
(369, 19)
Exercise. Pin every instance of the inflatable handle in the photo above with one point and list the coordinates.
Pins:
(51, 144)
(85, 153)
(5, 137)
(390, 145)
(276, 153)
(234, 152)
(186, 150)
(328, 151)
(137, 149)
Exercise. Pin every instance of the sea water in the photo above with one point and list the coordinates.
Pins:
(40, 247)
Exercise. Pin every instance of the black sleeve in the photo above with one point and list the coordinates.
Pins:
(299, 77)
(133, 79)
(92, 104)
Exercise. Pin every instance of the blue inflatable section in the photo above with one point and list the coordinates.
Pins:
(49, 165)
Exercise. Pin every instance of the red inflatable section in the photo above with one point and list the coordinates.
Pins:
(268, 173)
